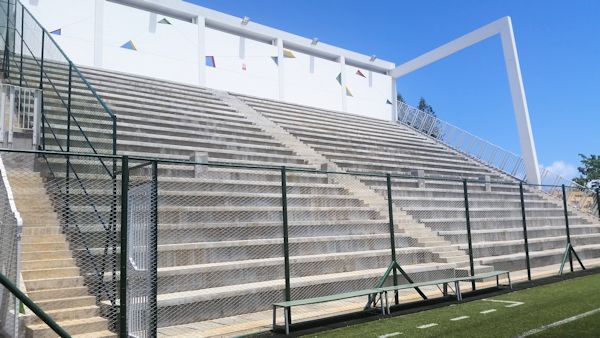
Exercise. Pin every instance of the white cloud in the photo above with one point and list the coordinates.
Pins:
(563, 169)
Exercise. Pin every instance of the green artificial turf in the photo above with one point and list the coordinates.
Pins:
(543, 305)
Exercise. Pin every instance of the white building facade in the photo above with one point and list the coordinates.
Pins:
(178, 41)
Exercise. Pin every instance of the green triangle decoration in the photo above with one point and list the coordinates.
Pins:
(129, 45)
(339, 78)
(164, 21)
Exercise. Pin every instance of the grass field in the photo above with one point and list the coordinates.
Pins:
(498, 317)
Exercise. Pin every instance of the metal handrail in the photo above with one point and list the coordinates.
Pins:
(481, 150)
(33, 307)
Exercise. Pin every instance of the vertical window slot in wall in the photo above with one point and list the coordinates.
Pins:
(370, 78)
(242, 47)
(312, 64)
(152, 23)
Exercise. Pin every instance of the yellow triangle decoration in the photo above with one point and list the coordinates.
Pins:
(348, 92)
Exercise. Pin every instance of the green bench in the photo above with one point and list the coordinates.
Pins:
(382, 292)
(289, 304)
(456, 281)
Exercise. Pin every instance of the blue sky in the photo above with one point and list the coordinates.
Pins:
(559, 50)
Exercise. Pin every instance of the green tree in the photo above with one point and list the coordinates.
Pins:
(424, 106)
(400, 98)
(589, 170)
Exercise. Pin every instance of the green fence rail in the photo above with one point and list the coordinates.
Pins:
(7, 283)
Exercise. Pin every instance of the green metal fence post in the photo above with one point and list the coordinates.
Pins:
(68, 162)
(124, 242)
(6, 62)
(42, 93)
(598, 201)
(470, 242)
(392, 235)
(154, 262)
(528, 262)
(22, 34)
(69, 91)
(286, 248)
(564, 193)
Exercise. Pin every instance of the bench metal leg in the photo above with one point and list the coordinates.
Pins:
(445, 292)
(383, 306)
(287, 320)
(509, 282)
(274, 316)
(497, 281)
(387, 304)
(457, 291)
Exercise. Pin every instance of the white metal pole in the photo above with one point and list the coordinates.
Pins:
(11, 112)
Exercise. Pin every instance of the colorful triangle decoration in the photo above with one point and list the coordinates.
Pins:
(275, 59)
(288, 54)
(359, 73)
(57, 31)
(129, 45)
(348, 92)
(339, 78)
(164, 21)
(388, 102)
(210, 61)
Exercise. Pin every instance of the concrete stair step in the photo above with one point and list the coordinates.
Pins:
(40, 239)
(40, 255)
(48, 264)
(49, 246)
(58, 293)
(40, 231)
(70, 313)
(54, 283)
(98, 334)
(67, 303)
(73, 327)
(50, 273)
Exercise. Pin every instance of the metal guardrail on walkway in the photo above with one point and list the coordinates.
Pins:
(20, 110)
(489, 154)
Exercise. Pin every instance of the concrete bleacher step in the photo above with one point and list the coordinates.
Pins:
(73, 327)
(49, 271)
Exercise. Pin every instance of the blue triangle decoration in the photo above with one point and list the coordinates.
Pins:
(275, 59)
(57, 31)
(129, 45)
(210, 61)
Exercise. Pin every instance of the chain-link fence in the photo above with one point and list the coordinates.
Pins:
(67, 262)
(10, 230)
(210, 247)
(74, 118)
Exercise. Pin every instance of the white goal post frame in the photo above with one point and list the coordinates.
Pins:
(502, 26)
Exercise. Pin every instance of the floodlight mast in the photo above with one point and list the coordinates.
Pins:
(502, 26)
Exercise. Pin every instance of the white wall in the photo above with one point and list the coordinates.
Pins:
(170, 52)
(369, 93)
(242, 65)
(175, 52)
(76, 23)
(314, 86)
